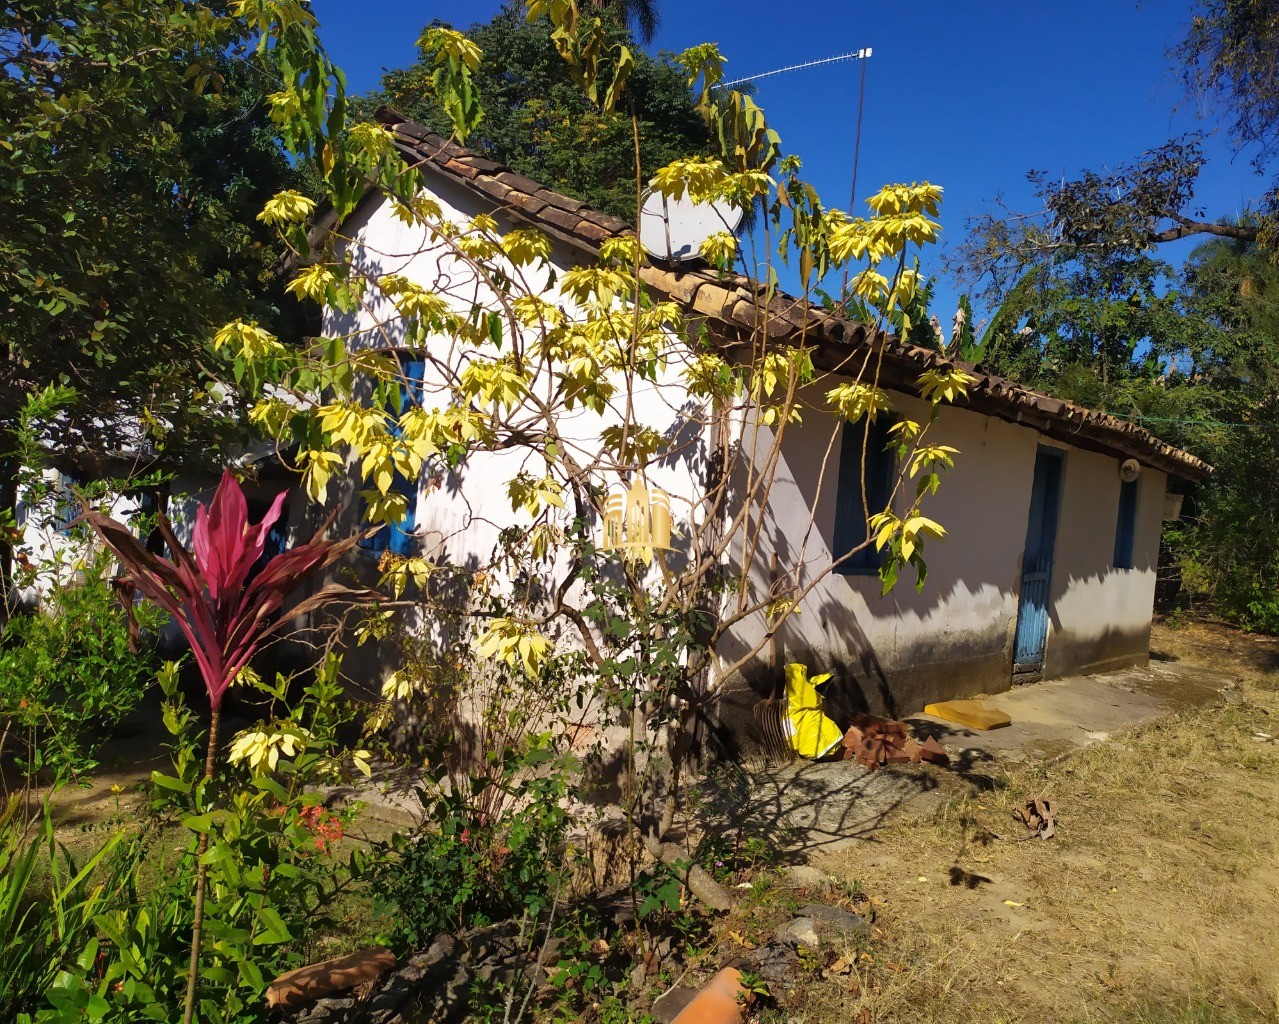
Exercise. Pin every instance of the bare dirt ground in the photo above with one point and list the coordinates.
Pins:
(1158, 900)
(1156, 903)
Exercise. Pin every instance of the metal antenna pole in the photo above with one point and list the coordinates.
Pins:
(860, 55)
(857, 151)
(855, 55)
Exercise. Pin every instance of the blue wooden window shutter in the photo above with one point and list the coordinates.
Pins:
(398, 537)
(851, 526)
(1126, 527)
(67, 506)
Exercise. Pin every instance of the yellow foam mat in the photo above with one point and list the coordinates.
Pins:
(972, 713)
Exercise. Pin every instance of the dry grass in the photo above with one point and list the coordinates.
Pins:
(1155, 903)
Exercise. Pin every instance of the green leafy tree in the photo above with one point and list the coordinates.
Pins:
(539, 120)
(642, 15)
(1228, 56)
(1228, 544)
(136, 155)
(1123, 212)
(1094, 332)
(1234, 289)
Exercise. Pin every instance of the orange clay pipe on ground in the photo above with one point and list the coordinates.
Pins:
(722, 1001)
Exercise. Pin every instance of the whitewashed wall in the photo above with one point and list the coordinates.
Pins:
(895, 653)
(460, 514)
(1099, 616)
(58, 556)
(892, 652)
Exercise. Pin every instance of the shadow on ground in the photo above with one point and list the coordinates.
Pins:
(807, 807)
(810, 806)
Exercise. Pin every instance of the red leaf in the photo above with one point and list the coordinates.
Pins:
(330, 594)
(224, 620)
(269, 520)
(220, 538)
(150, 572)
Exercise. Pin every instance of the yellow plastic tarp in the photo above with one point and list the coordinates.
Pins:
(812, 734)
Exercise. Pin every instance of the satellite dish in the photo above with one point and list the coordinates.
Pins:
(1129, 470)
(674, 229)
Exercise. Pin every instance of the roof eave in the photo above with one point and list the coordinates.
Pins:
(742, 305)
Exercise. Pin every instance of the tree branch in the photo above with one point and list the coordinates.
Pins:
(1186, 228)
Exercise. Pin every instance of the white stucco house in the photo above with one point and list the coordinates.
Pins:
(1049, 563)
(1053, 511)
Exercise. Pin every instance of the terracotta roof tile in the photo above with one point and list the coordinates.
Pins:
(559, 217)
(559, 199)
(531, 207)
(594, 232)
(684, 287)
(413, 131)
(756, 316)
(605, 220)
(714, 301)
(786, 317)
(460, 167)
(482, 164)
(517, 181)
(493, 188)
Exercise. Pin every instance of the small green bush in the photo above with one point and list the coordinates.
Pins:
(69, 674)
(278, 864)
(463, 870)
(48, 901)
(1262, 616)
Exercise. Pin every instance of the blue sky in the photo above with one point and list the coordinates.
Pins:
(965, 94)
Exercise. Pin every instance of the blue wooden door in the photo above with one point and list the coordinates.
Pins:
(1037, 562)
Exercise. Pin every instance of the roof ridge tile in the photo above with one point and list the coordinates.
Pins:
(741, 302)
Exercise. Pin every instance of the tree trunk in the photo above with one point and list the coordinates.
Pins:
(708, 891)
(201, 876)
(8, 502)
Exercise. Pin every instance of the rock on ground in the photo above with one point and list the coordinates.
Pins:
(802, 931)
(818, 924)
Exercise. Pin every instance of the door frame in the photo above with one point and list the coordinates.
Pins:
(1050, 523)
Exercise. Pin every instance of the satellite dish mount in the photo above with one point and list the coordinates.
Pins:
(673, 230)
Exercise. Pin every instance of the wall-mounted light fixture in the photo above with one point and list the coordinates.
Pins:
(637, 522)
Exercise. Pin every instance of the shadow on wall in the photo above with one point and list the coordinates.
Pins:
(893, 654)
(298, 649)
(1071, 653)
(929, 671)
(349, 323)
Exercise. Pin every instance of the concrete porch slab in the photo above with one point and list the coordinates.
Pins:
(1054, 718)
(808, 807)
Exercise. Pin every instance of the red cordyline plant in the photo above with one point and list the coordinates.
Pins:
(225, 615)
